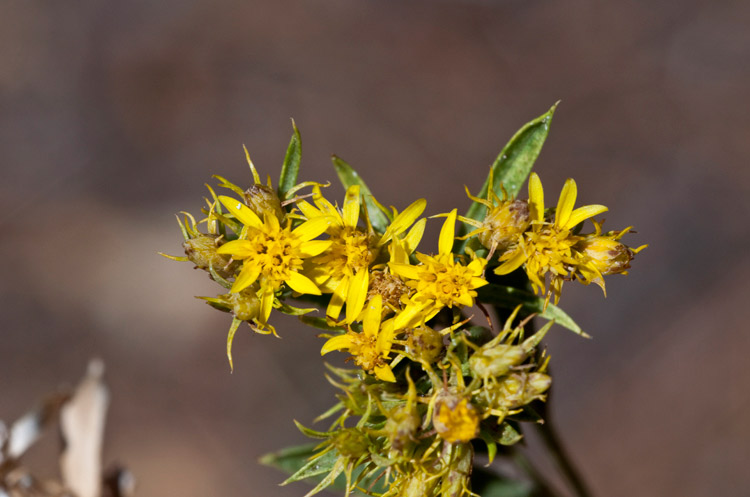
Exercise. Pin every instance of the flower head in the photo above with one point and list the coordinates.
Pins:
(439, 281)
(272, 254)
(547, 249)
(371, 347)
(344, 269)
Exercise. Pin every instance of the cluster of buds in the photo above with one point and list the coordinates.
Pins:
(427, 384)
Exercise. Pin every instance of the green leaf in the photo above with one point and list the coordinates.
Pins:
(509, 435)
(321, 465)
(290, 168)
(349, 177)
(509, 297)
(290, 459)
(488, 484)
(512, 166)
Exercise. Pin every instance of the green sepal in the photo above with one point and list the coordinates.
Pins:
(487, 438)
(511, 167)
(508, 298)
(321, 324)
(294, 311)
(349, 177)
(290, 168)
(509, 435)
(309, 432)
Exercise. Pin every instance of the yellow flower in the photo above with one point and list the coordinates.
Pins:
(439, 281)
(548, 247)
(272, 254)
(370, 348)
(344, 269)
(455, 419)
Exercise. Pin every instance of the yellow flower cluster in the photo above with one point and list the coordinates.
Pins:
(427, 381)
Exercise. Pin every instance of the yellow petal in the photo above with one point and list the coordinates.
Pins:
(324, 205)
(357, 294)
(583, 213)
(308, 210)
(447, 234)
(373, 314)
(477, 282)
(314, 247)
(239, 249)
(242, 212)
(336, 343)
(405, 270)
(409, 317)
(511, 264)
(266, 303)
(385, 338)
(385, 373)
(338, 298)
(302, 284)
(565, 203)
(465, 300)
(404, 220)
(247, 277)
(536, 198)
(312, 228)
(414, 236)
(351, 207)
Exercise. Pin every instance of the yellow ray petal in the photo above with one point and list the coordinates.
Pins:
(405, 270)
(385, 338)
(404, 220)
(536, 198)
(266, 302)
(239, 249)
(566, 202)
(447, 234)
(242, 212)
(336, 343)
(357, 294)
(309, 210)
(351, 207)
(338, 298)
(302, 284)
(511, 264)
(408, 317)
(412, 239)
(247, 277)
(373, 314)
(314, 247)
(385, 373)
(312, 228)
(583, 213)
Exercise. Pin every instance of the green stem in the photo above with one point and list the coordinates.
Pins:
(543, 487)
(553, 443)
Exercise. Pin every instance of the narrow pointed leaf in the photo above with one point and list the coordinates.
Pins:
(349, 177)
(509, 297)
(290, 168)
(512, 166)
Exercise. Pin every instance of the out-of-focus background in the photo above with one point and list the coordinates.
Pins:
(114, 114)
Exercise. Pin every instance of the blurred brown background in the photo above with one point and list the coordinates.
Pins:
(114, 114)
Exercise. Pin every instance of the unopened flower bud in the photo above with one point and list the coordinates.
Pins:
(505, 223)
(496, 360)
(351, 442)
(263, 199)
(607, 255)
(424, 343)
(245, 304)
(201, 251)
(455, 418)
(517, 390)
(401, 426)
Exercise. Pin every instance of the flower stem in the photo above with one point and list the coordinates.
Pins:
(555, 447)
